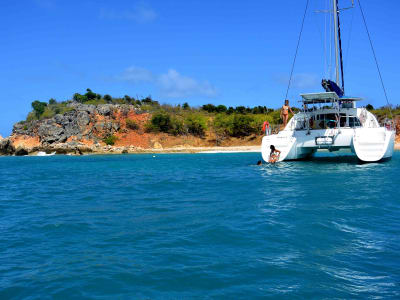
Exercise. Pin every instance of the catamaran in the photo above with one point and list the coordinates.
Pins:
(330, 120)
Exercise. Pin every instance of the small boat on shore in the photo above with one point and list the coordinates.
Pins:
(331, 120)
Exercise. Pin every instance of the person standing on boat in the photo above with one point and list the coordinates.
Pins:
(285, 112)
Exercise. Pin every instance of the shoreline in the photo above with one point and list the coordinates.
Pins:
(183, 150)
(84, 149)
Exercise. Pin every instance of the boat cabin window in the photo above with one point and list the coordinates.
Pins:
(325, 121)
(354, 122)
(343, 120)
(328, 121)
(347, 104)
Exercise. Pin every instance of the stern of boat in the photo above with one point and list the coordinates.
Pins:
(284, 143)
(373, 144)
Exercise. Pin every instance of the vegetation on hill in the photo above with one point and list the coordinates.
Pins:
(223, 121)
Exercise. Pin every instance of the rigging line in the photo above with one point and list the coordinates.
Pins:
(297, 49)
(349, 40)
(376, 60)
(322, 40)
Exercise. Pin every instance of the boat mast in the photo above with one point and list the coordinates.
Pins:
(335, 20)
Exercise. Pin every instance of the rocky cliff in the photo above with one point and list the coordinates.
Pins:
(82, 128)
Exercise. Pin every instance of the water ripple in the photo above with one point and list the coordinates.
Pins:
(198, 226)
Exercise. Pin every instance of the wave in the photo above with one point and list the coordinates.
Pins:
(42, 153)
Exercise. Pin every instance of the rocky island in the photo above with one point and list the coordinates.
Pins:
(109, 128)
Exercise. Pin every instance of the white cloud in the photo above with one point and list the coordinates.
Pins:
(139, 14)
(300, 80)
(136, 74)
(172, 84)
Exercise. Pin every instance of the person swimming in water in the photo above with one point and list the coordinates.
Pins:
(285, 112)
(274, 155)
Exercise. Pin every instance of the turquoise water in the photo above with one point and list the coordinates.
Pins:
(201, 226)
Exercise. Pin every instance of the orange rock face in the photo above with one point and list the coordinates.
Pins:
(26, 142)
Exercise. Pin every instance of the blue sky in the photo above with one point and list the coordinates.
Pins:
(210, 51)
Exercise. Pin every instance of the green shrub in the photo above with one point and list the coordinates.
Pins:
(242, 126)
(38, 107)
(177, 127)
(369, 107)
(108, 98)
(96, 101)
(163, 122)
(110, 140)
(221, 108)
(118, 101)
(240, 109)
(64, 108)
(90, 95)
(160, 122)
(47, 114)
(131, 124)
(209, 108)
(223, 124)
(196, 124)
(31, 117)
(238, 125)
(79, 98)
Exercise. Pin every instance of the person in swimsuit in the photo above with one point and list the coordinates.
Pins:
(274, 155)
(285, 113)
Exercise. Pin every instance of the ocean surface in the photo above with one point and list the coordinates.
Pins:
(198, 226)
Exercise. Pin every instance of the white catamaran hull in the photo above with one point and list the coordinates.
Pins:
(368, 141)
(369, 145)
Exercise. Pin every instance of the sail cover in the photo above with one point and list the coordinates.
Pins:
(331, 86)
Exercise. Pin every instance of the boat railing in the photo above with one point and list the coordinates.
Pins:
(275, 128)
(388, 124)
(305, 122)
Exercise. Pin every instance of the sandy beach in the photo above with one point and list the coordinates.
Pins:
(232, 149)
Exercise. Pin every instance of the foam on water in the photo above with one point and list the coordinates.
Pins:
(198, 226)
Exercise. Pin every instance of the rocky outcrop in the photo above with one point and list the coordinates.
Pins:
(20, 151)
(81, 128)
(50, 132)
(83, 122)
(6, 147)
